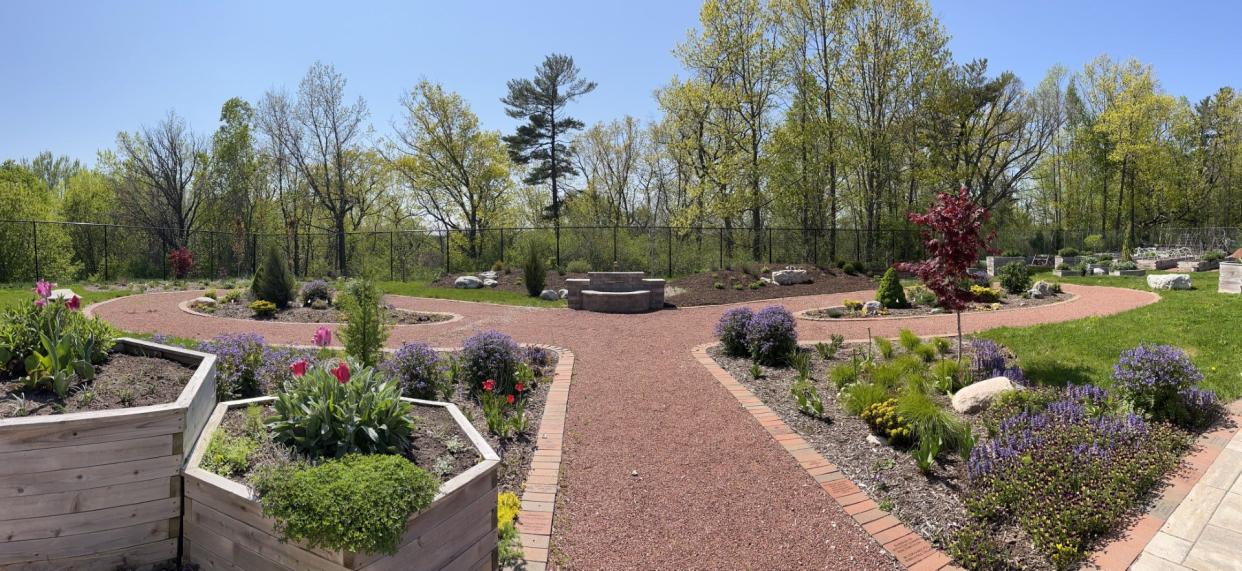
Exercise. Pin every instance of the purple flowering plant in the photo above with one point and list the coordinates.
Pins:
(490, 355)
(731, 330)
(417, 369)
(1161, 382)
(770, 335)
(246, 367)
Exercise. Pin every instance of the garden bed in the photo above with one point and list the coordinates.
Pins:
(224, 525)
(97, 487)
(240, 310)
(743, 285)
(1005, 302)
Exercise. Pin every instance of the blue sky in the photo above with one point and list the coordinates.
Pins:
(76, 72)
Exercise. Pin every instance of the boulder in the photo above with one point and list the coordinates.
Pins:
(871, 308)
(791, 276)
(468, 282)
(489, 282)
(549, 295)
(1097, 271)
(563, 293)
(203, 302)
(978, 396)
(63, 293)
(1169, 281)
(488, 275)
(979, 276)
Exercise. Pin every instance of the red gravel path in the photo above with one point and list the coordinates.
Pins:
(713, 490)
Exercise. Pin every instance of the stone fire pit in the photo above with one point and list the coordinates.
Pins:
(615, 292)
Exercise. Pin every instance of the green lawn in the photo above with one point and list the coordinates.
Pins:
(1200, 321)
(11, 294)
(425, 289)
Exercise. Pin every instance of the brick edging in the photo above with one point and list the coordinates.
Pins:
(534, 521)
(910, 549)
(1122, 552)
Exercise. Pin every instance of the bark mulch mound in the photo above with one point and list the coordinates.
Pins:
(123, 381)
(312, 315)
(700, 289)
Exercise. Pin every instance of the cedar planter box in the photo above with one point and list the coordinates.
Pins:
(101, 489)
(1163, 264)
(1128, 273)
(1230, 277)
(995, 263)
(224, 526)
(1197, 265)
(1064, 273)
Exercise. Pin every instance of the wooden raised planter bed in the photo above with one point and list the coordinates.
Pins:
(1230, 277)
(1119, 273)
(101, 489)
(224, 527)
(1197, 265)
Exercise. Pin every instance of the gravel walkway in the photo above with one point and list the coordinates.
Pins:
(712, 490)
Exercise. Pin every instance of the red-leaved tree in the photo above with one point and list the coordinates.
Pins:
(953, 235)
(181, 260)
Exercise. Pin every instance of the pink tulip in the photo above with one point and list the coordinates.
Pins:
(74, 303)
(298, 368)
(43, 288)
(341, 372)
(41, 302)
(323, 337)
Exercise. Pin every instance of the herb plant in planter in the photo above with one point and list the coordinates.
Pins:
(340, 480)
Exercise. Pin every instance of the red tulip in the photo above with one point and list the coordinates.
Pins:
(519, 387)
(298, 368)
(74, 303)
(489, 385)
(341, 372)
(509, 399)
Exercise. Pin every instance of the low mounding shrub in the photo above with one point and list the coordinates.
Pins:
(890, 294)
(490, 355)
(1069, 473)
(921, 296)
(1212, 256)
(1014, 277)
(355, 503)
(1125, 265)
(1068, 252)
(1162, 383)
(578, 267)
(882, 417)
(984, 294)
(770, 335)
(416, 368)
(331, 413)
(731, 330)
(273, 282)
(262, 308)
(316, 290)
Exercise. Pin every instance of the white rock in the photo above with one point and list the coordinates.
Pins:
(203, 302)
(877, 440)
(563, 293)
(1041, 286)
(1099, 271)
(468, 282)
(549, 295)
(1169, 281)
(767, 281)
(791, 277)
(976, 397)
(489, 282)
(63, 293)
(871, 308)
(488, 275)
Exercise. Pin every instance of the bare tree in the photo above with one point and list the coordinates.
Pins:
(160, 168)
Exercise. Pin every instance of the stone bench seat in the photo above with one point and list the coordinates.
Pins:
(635, 301)
(615, 292)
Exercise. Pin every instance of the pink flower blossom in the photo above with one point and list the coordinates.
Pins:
(298, 367)
(43, 288)
(41, 302)
(74, 303)
(323, 337)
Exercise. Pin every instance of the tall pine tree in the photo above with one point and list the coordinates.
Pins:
(543, 139)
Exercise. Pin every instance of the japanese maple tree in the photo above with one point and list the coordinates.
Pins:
(953, 233)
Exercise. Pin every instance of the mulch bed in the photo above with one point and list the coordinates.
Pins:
(510, 280)
(929, 504)
(123, 381)
(700, 289)
(1007, 302)
(311, 315)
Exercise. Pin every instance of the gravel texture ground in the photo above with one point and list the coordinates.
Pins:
(662, 469)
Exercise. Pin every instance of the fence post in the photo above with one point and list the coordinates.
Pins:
(105, 252)
(615, 259)
(391, 255)
(769, 244)
(502, 244)
(34, 231)
(670, 252)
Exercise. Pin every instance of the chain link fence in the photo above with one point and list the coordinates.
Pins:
(102, 252)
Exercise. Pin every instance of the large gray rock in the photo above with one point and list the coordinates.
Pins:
(549, 295)
(488, 275)
(1040, 289)
(468, 282)
(562, 293)
(203, 302)
(974, 398)
(489, 282)
(1169, 281)
(871, 308)
(791, 276)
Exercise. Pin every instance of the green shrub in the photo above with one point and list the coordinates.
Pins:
(852, 304)
(828, 351)
(843, 375)
(578, 267)
(1212, 256)
(859, 396)
(263, 309)
(326, 414)
(943, 345)
(1068, 252)
(227, 455)
(1015, 278)
(355, 503)
(534, 272)
(935, 428)
(921, 296)
(884, 347)
(890, 294)
(273, 282)
(1093, 243)
(908, 340)
(366, 326)
(1124, 265)
(984, 294)
(925, 351)
(498, 266)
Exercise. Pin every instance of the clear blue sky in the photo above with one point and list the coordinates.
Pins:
(76, 72)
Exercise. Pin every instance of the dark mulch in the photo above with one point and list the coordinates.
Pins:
(1007, 302)
(123, 381)
(511, 280)
(310, 315)
(700, 289)
(516, 453)
(930, 504)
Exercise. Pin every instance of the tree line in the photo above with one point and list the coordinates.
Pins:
(805, 114)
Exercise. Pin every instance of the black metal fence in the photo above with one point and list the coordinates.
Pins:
(101, 252)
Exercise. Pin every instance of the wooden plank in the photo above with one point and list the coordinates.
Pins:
(65, 457)
(204, 521)
(198, 411)
(22, 507)
(20, 485)
(82, 545)
(443, 543)
(480, 556)
(67, 525)
(140, 557)
(125, 424)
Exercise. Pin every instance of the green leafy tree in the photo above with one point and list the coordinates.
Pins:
(544, 139)
(366, 326)
(890, 293)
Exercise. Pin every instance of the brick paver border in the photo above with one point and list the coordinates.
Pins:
(910, 549)
(1122, 552)
(534, 521)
